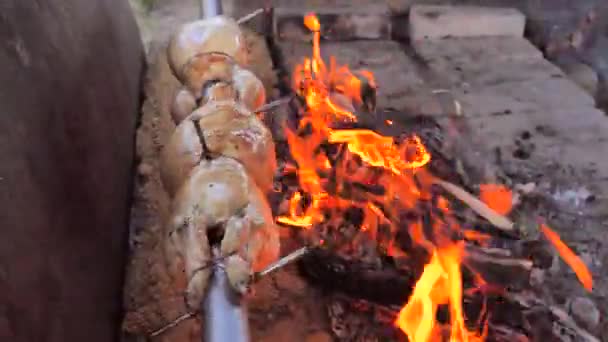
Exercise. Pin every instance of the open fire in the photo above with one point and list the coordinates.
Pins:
(381, 177)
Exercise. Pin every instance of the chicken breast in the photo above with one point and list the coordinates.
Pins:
(219, 195)
(226, 129)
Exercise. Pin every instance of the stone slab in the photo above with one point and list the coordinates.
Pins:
(394, 71)
(436, 22)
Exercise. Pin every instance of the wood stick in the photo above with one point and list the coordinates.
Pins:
(284, 261)
(478, 206)
(274, 104)
(173, 324)
(498, 268)
(250, 16)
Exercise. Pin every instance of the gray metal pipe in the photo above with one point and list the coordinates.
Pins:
(225, 312)
(211, 8)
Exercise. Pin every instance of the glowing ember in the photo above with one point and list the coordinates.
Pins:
(397, 170)
(497, 197)
(569, 257)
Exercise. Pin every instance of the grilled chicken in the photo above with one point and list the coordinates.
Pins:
(219, 198)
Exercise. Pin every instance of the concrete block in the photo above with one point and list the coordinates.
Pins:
(471, 50)
(553, 93)
(337, 23)
(436, 22)
(478, 74)
(502, 118)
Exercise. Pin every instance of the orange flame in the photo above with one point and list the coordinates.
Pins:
(439, 284)
(377, 150)
(312, 23)
(404, 182)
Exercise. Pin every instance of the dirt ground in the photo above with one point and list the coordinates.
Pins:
(284, 307)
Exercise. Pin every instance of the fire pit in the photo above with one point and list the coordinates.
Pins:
(397, 235)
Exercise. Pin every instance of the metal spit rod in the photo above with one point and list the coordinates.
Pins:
(225, 314)
(211, 8)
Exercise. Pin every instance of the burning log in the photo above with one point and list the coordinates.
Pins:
(389, 285)
(333, 273)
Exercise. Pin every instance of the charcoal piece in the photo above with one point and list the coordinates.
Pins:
(373, 189)
(539, 252)
(354, 216)
(305, 131)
